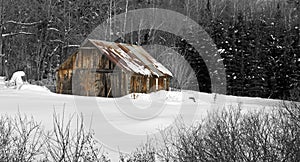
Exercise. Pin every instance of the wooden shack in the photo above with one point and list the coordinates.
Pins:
(109, 69)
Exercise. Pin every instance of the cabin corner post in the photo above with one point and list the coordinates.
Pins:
(168, 84)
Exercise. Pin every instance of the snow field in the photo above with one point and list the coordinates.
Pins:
(121, 124)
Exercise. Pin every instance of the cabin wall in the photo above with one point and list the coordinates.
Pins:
(118, 86)
(125, 84)
(64, 81)
(64, 76)
(167, 84)
(96, 75)
(152, 85)
(144, 84)
(84, 83)
(160, 84)
(138, 84)
(87, 81)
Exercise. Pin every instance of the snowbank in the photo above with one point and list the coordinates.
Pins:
(26, 86)
(2, 82)
(2, 79)
(35, 88)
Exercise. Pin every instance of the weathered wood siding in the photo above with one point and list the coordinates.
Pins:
(93, 72)
(64, 76)
(138, 84)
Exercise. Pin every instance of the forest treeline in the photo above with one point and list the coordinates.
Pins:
(259, 39)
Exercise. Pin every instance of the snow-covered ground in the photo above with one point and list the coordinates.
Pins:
(121, 124)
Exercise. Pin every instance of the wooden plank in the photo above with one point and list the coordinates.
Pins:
(105, 84)
(132, 86)
(113, 87)
(137, 84)
(81, 60)
(148, 85)
(108, 71)
(160, 83)
(167, 84)
(77, 60)
(94, 70)
(144, 84)
(100, 85)
(152, 84)
(120, 84)
(109, 83)
(126, 81)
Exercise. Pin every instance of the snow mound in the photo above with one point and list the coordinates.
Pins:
(2, 82)
(2, 79)
(34, 88)
(169, 96)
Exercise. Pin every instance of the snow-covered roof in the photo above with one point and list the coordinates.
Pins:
(132, 58)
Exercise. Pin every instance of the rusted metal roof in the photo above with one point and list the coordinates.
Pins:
(132, 58)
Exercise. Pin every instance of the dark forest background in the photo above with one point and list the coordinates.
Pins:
(259, 39)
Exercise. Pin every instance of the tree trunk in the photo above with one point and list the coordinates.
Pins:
(2, 60)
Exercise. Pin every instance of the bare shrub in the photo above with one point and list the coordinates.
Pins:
(21, 139)
(288, 131)
(145, 153)
(66, 145)
(225, 135)
(233, 135)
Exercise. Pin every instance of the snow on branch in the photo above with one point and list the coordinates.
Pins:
(54, 29)
(71, 45)
(57, 40)
(22, 23)
(55, 49)
(18, 33)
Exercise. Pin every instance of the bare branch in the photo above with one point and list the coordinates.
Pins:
(57, 40)
(71, 46)
(53, 29)
(18, 33)
(22, 23)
